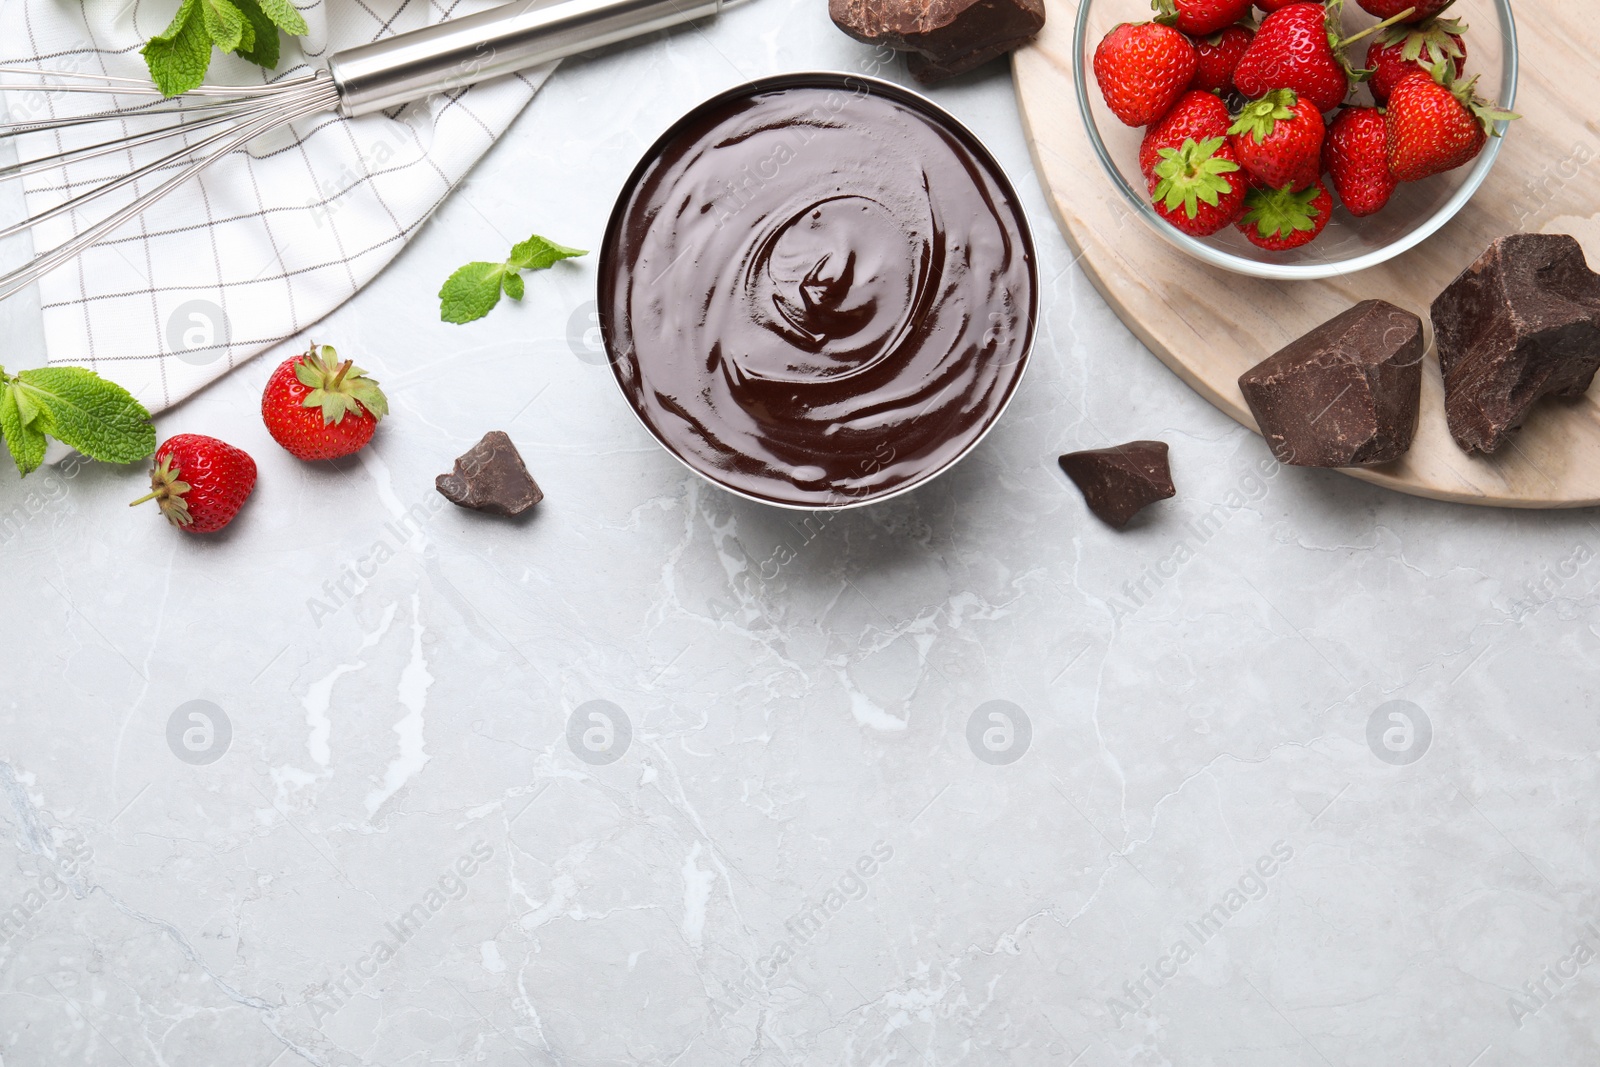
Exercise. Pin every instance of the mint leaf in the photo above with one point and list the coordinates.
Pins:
(261, 45)
(247, 34)
(536, 253)
(25, 442)
(97, 417)
(225, 23)
(285, 17)
(179, 56)
(471, 292)
(474, 290)
(27, 411)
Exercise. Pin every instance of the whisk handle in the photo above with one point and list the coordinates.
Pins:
(502, 40)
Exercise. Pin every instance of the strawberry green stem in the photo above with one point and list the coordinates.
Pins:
(1385, 24)
(167, 488)
(1261, 117)
(1192, 175)
(339, 377)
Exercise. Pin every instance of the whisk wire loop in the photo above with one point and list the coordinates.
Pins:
(362, 80)
(241, 122)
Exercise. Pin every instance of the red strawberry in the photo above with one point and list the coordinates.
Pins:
(1278, 139)
(319, 408)
(1356, 157)
(1295, 49)
(1413, 10)
(1195, 187)
(200, 482)
(1197, 116)
(1270, 6)
(1279, 219)
(1199, 18)
(1400, 50)
(1436, 123)
(1217, 56)
(1142, 69)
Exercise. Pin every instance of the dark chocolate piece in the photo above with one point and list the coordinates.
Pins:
(944, 37)
(1344, 395)
(1521, 323)
(491, 477)
(1118, 482)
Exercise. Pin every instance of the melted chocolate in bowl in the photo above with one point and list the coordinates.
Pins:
(818, 290)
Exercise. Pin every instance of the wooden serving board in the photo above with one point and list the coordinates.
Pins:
(1210, 325)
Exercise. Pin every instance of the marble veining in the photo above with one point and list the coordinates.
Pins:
(1294, 772)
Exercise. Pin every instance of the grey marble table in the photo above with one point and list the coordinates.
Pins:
(1295, 773)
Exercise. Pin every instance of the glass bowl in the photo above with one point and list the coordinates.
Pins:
(1349, 244)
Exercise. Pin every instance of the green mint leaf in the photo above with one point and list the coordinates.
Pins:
(97, 417)
(179, 55)
(25, 442)
(536, 253)
(472, 292)
(27, 410)
(261, 45)
(247, 35)
(224, 22)
(285, 17)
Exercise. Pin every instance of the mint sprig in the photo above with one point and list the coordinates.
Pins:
(77, 407)
(474, 290)
(179, 56)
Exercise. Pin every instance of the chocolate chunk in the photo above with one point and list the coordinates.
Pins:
(1118, 482)
(1344, 395)
(945, 37)
(1521, 323)
(931, 71)
(490, 477)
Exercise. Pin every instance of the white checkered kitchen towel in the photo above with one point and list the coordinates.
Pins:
(267, 241)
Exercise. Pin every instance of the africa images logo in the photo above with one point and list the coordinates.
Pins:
(999, 732)
(805, 925)
(52, 884)
(1399, 732)
(1250, 887)
(199, 732)
(450, 886)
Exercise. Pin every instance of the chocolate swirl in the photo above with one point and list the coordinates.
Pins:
(818, 292)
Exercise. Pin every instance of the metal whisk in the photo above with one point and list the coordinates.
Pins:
(211, 122)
